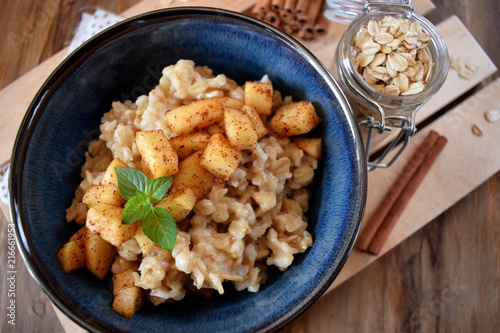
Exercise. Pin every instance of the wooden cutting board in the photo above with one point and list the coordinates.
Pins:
(466, 162)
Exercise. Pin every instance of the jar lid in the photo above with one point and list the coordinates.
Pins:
(345, 11)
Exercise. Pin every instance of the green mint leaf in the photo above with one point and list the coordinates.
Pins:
(141, 194)
(135, 209)
(157, 188)
(130, 181)
(144, 198)
(159, 225)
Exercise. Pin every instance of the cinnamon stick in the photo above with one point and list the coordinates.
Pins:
(277, 5)
(263, 5)
(289, 6)
(305, 34)
(273, 18)
(286, 17)
(260, 9)
(295, 26)
(257, 13)
(308, 20)
(390, 198)
(397, 209)
(312, 12)
(301, 6)
(322, 23)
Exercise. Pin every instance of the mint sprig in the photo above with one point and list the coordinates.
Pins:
(130, 181)
(162, 225)
(134, 210)
(157, 187)
(141, 195)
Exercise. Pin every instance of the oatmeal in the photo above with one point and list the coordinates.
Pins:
(238, 214)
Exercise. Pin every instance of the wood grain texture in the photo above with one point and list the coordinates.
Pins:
(35, 30)
(32, 31)
(467, 162)
(445, 277)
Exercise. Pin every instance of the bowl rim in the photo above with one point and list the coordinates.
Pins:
(72, 60)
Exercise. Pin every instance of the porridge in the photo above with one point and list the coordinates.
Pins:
(240, 170)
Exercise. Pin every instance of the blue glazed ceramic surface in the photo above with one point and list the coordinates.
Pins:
(124, 62)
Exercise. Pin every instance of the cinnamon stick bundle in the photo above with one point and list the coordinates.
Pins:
(377, 229)
(301, 17)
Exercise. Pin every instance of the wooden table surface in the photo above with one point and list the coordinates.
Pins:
(444, 278)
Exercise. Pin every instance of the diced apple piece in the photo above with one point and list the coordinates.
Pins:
(239, 129)
(99, 255)
(159, 159)
(179, 203)
(79, 235)
(295, 118)
(231, 102)
(311, 146)
(256, 120)
(109, 177)
(128, 298)
(194, 116)
(218, 127)
(97, 194)
(144, 242)
(187, 144)
(72, 254)
(106, 221)
(191, 174)
(260, 96)
(220, 158)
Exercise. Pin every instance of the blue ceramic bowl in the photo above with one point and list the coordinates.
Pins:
(124, 62)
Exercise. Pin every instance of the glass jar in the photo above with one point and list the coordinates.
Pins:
(376, 109)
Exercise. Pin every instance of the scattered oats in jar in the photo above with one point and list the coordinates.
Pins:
(392, 56)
